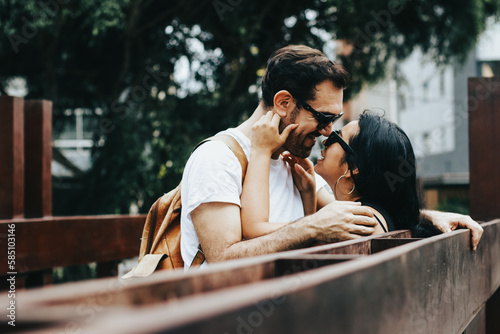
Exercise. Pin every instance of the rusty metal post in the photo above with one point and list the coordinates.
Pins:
(11, 157)
(38, 158)
(484, 147)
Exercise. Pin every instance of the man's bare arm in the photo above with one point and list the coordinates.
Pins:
(218, 227)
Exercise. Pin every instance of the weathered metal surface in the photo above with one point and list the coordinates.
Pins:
(434, 285)
(478, 324)
(484, 147)
(44, 243)
(37, 158)
(378, 245)
(437, 285)
(493, 313)
(11, 157)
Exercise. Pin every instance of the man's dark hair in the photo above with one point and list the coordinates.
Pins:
(298, 69)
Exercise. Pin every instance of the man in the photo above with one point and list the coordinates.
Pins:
(303, 87)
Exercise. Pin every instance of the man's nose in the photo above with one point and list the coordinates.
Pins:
(326, 130)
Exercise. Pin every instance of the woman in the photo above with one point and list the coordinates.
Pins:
(370, 161)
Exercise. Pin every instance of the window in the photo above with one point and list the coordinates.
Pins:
(489, 69)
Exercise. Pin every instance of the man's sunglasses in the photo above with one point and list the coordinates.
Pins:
(335, 138)
(324, 119)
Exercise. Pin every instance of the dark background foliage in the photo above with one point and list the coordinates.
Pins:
(117, 58)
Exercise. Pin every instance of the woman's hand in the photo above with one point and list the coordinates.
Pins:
(265, 133)
(302, 172)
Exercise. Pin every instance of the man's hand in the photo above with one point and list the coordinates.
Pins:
(339, 221)
(448, 221)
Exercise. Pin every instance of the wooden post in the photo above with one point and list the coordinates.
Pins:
(11, 157)
(484, 147)
(38, 158)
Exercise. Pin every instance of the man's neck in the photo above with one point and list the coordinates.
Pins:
(246, 126)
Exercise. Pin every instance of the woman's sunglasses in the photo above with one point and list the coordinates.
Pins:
(335, 138)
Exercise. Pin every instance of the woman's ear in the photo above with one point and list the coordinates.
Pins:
(352, 173)
(284, 103)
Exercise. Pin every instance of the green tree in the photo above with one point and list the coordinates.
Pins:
(118, 57)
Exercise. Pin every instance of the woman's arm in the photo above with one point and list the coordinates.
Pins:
(255, 194)
(303, 177)
(324, 198)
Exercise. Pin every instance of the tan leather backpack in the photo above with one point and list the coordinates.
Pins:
(161, 236)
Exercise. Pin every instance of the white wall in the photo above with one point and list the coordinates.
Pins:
(427, 115)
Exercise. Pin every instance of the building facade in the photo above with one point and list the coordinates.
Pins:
(430, 104)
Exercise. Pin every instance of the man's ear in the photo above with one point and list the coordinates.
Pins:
(284, 103)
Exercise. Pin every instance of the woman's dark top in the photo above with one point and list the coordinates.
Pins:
(383, 212)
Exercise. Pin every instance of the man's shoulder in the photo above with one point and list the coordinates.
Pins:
(211, 158)
(212, 150)
(216, 150)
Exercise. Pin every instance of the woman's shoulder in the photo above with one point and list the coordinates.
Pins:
(380, 214)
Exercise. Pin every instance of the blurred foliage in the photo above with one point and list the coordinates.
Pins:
(117, 57)
(455, 204)
(74, 273)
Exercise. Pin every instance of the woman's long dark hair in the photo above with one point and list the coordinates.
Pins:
(387, 170)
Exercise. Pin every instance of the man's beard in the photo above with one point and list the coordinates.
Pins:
(294, 143)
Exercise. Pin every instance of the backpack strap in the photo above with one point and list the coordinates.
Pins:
(237, 150)
(235, 147)
(199, 258)
(152, 226)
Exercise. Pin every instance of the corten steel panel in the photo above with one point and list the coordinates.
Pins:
(378, 245)
(492, 314)
(11, 157)
(44, 243)
(484, 147)
(166, 285)
(478, 324)
(37, 158)
(435, 285)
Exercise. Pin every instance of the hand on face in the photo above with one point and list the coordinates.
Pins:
(302, 172)
(265, 133)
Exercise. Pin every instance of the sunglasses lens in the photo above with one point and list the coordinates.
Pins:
(328, 121)
(321, 126)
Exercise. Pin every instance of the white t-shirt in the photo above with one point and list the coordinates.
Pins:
(213, 174)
